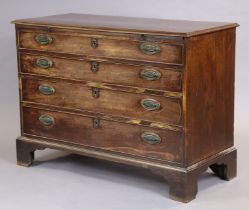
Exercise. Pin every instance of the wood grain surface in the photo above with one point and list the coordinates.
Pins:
(80, 44)
(124, 138)
(128, 24)
(107, 72)
(209, 94)
(74, 95)
(100, 114)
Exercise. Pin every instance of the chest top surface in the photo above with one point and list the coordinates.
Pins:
(128, 24)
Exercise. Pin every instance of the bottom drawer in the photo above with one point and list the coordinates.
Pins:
(104, 134)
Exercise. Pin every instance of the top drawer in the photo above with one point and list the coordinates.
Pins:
(102, 46)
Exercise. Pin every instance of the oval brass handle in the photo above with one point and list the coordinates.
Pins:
(46, 120)
(46, 89)
(151, 138)
(43, 39)
(150, 104)
(150, 74)
(44, 63)
(150, 48)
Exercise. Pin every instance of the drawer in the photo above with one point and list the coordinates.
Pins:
(98, 71)
(118, 103)
(82, 44)
(108, 135)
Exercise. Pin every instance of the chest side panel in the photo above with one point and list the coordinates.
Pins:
(208, 94)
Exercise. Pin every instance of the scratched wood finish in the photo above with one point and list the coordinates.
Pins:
(117, 103)
(196, 93)
(124, 138)
(107, 47)
(209, 94)
(110, 117)
(107, 72)
(85, 22)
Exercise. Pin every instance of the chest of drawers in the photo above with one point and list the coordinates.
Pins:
(151, 93)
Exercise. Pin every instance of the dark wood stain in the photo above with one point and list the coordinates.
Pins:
(107, 72)
(99, 114)
(107, 46)
(127, 24)
(111, 102)
(121, 119)
(125, 138)
(209, 92)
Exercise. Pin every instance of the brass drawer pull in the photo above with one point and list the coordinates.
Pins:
(44, 63)
(94, 43)
(95, 92)
(150, 48)
(96, 123)
(150, 104)
(46, 89)
(150, 74)
(151, 138)
(46, 120)
(43, 39)
(94, 67)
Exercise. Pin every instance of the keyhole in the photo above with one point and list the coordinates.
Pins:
(96, 123)
(95, 92)
(94, 43)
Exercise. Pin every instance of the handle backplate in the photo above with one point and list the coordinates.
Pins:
(46, 120)
(151, 138)
(44, 63)
(150, 74)
(150, 48)
(43, 39)
(46, 89)
(150, 104)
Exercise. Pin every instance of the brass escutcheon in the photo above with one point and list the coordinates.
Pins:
(94, 66)
(96, 123)
(94, 43)
(95, 92)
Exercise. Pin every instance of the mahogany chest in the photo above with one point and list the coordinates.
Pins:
(152, 93)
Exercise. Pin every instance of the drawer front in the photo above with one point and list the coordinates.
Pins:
(77, 96)
(103, 47)
(106, 72)
(108, 135)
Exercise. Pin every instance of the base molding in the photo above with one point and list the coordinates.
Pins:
(182, 180)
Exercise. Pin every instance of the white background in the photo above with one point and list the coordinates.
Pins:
(64, 182)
